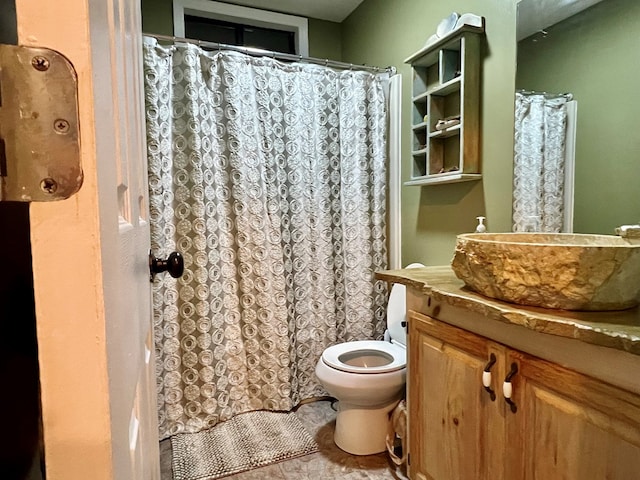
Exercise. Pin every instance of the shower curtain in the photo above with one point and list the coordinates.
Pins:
(270, 179)
(538, 188)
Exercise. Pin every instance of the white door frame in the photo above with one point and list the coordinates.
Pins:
(82, 334)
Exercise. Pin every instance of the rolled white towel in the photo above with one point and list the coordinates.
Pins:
(628, 230)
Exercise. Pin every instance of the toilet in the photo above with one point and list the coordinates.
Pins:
(367, 378)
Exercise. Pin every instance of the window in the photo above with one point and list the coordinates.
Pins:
(236, 25)
(238, 34)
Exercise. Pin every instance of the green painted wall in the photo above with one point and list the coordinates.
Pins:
(594, 55)
(324, 37)
(383, 32)
(157, 16)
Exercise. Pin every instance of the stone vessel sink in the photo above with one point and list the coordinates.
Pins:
(551, 270)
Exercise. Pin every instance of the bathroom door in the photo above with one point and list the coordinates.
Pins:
(90, 254)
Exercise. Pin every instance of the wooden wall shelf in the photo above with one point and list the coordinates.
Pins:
(446, 83)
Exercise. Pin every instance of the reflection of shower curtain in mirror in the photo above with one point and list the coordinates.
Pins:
(539, 162)
(270, 179)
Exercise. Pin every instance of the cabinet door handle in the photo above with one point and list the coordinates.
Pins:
(486, 377)
(507, 388)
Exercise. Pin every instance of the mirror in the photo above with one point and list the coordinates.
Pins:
(591, 49)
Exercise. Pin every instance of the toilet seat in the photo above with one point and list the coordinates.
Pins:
(382, 357)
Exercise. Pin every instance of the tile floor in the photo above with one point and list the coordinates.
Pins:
(329, 463)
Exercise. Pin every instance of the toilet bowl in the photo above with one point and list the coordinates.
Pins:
(367, 377)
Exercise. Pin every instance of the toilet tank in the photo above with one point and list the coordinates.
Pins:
(397, 311)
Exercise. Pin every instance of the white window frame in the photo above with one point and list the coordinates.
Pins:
(243, 15)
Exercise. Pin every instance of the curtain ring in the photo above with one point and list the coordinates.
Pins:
(273, 55)
(350, 66)
(326, 62)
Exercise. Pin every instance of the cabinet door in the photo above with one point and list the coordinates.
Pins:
(455, 430)
(569, 426)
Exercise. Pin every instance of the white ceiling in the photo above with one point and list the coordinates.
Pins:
(536, 15)
(333, 10)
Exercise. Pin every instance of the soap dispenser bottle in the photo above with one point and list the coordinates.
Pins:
(481, 228)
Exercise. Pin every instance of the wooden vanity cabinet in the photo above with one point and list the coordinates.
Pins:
(453, 424)
(565, 425)
(570, 426)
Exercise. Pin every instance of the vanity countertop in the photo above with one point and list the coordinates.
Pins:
(613, 329)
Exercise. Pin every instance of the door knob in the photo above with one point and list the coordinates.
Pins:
(174, 264)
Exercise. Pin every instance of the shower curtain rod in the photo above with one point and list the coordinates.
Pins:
(276, 55)
(568, 96)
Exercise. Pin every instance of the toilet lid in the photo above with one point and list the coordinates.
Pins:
(365, 356)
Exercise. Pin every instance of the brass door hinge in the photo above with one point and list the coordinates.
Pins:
(39, 128)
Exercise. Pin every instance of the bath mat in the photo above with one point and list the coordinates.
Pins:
(247, 441)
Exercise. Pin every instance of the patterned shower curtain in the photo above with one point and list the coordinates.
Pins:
(270, 179)
(538, 188)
